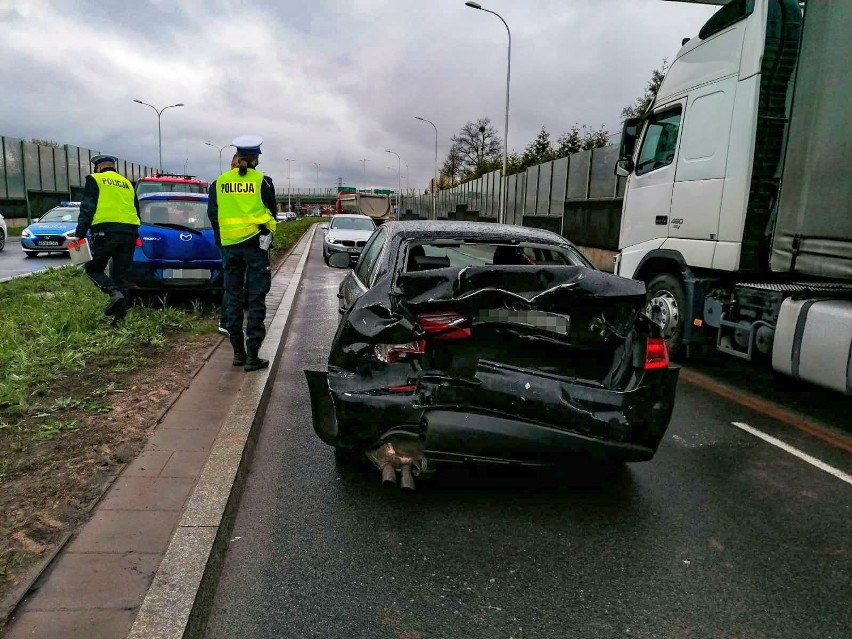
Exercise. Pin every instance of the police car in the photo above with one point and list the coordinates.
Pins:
(176, 247)
(52, 232)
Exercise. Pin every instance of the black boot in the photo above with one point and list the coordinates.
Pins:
(253, 362)
(239, 352)
(115, 306)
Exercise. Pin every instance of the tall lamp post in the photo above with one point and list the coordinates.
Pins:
(159, 128)
(503, 180)
(317, 166)
(220, 149)
(398, 179)
(435, 180)
(288, 160)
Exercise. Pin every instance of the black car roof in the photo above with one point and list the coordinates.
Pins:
(498, 232)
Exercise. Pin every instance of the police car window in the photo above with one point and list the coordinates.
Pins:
(64, 214)
(370, 257)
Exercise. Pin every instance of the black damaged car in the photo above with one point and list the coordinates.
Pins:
(482, 342)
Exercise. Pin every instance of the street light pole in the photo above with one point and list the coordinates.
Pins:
(288, 160)
(317, 166)
(159, 112)
(220, 149)
(435, 180)
(503, 178)
(398, 179)
(364, 162)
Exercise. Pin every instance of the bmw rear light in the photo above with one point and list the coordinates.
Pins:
(446, 325)
(656, 354)
(393, 353)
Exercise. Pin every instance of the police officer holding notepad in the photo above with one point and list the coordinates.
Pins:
(109, 209)
(241, 207)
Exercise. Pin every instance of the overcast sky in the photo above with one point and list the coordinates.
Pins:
(325, 81)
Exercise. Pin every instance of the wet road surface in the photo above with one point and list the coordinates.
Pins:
(722, 535)
(14, 262)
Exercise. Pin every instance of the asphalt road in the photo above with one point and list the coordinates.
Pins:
(722, 535)
(13, 262)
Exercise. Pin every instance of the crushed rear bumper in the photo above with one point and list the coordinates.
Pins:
(502, 415)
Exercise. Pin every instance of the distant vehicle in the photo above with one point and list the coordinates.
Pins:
(303, 209)
(346, 234)
(285, 216)
(3, 232)
(176, 249)
(52, 232)
(492, 343)
(325, 210)
(372, 205)
(170, 183)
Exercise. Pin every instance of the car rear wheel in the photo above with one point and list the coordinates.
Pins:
(667, 306)
(31, 253)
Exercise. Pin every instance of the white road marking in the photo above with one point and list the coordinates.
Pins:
(813, 461)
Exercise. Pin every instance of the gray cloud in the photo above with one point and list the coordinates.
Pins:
(326, 81)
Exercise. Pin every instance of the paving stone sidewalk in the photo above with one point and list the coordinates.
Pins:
(95, 587)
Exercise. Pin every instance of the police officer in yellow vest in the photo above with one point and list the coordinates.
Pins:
(110, 210)
(241, 206)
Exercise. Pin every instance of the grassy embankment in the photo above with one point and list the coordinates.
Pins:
(74, 391)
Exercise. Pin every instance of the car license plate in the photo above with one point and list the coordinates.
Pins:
(186, 273)
(551, 322)
(47, 243)
(354, 250)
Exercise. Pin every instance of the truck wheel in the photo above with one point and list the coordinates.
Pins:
(667, 306)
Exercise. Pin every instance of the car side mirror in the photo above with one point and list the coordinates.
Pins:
(339, 260)
(323, 227)
(624, 167)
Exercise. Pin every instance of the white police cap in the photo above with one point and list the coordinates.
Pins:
(248, 144)
(98, 159)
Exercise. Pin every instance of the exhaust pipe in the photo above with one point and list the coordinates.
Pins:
(406, 479)
(388, 475)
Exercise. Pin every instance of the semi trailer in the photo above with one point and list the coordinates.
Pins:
(737, 208)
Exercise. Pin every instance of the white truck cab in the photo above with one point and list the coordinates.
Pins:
(705, 166)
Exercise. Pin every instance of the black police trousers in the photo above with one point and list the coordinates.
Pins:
(247, 279)
(116, 246)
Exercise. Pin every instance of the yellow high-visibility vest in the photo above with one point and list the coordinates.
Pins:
(115, 199)
(241, 209)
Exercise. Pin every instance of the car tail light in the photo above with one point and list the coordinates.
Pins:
(139, 242)
(393, 353)
(656, 354)
(444, 325)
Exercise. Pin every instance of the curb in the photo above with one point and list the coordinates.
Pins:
(180, 597)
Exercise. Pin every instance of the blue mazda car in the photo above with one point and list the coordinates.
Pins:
(176, 249)
(52, 232)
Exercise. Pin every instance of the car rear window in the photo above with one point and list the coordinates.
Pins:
(191, 214)
(168, 187)
(426, 255)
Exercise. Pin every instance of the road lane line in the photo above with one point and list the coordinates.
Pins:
(767, 407)
(813, 461)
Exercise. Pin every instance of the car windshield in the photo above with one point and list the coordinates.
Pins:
(168, 187)
(426, 255)
(190, 214)
(352, 224)
(63, 214)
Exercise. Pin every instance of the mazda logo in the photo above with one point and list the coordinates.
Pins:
(186, 237)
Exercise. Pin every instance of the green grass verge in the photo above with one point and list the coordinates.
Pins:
(14, 231)
(288, 233)
(52, 326)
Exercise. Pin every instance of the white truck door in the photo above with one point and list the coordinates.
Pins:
(648, 196)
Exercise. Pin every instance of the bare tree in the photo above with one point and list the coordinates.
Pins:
(478, 144)
(452, 166)
(45, 142)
